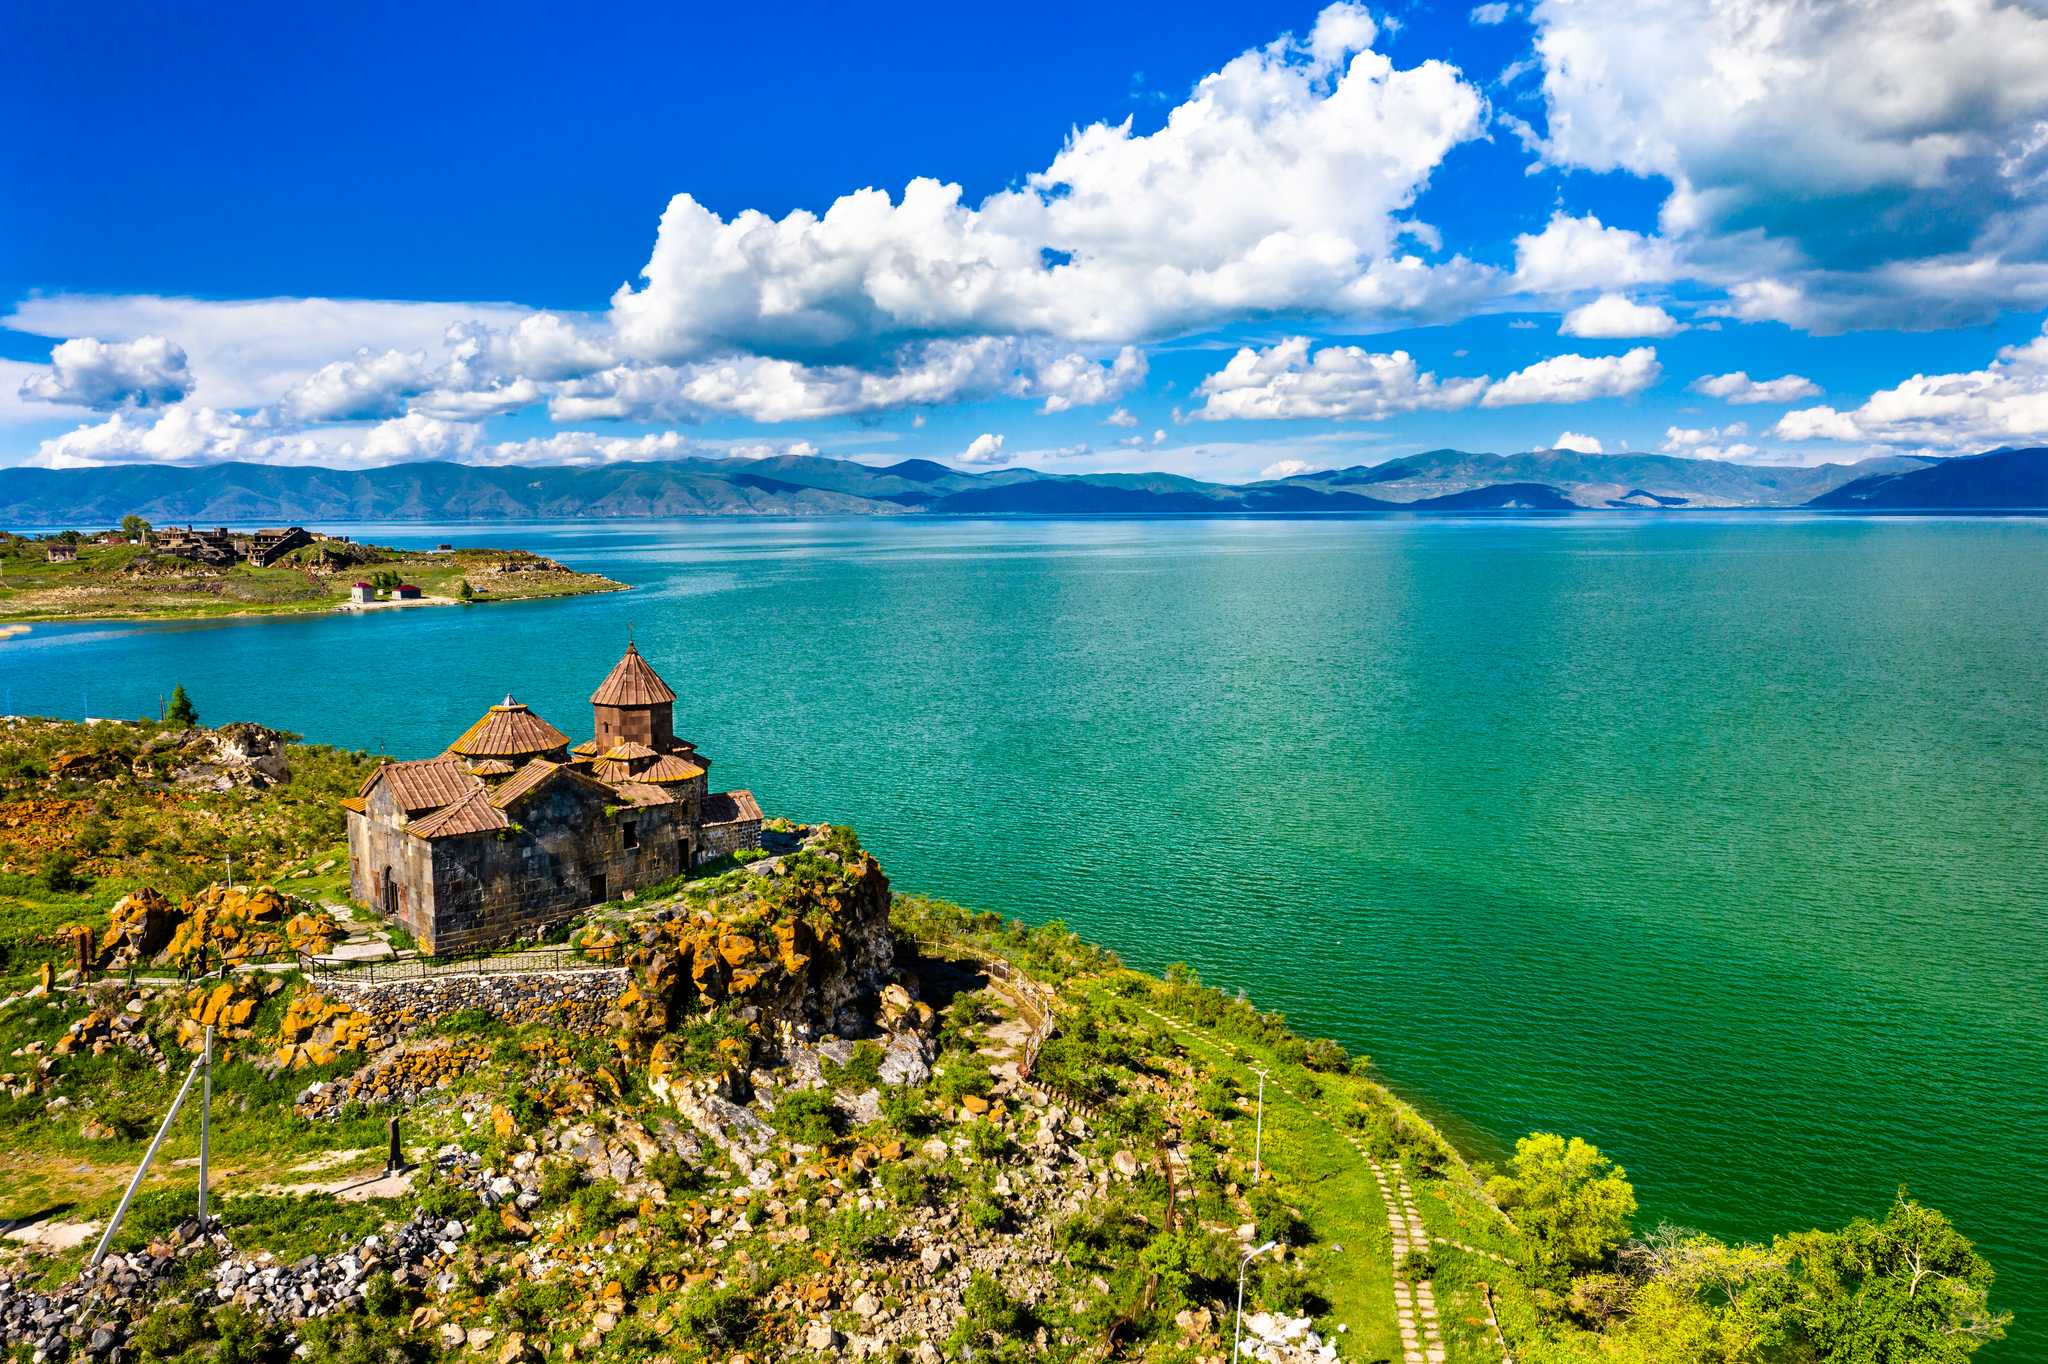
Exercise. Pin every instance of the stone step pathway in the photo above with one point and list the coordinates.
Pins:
(1414, 1303)
(1419, 1341)
(1415, 1306)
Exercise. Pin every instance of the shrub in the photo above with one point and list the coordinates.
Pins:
(808, 1117)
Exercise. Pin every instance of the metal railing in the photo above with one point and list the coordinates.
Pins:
(525, 961)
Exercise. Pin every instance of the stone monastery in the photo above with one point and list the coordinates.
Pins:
(510, 831)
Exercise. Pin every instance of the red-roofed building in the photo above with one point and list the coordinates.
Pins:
(511, 831)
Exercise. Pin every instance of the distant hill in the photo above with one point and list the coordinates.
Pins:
(812, 485)
(2000, 480)
(1603, 480)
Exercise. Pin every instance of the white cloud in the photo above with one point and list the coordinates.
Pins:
(1708, 442)
(368, 386)
(1577, 379)
(104, 375)
(1287, 468)
(985, 448)
(1612, 315)
(1574, 254)
(1074, 380)
(1738, 387)
(1279, 184)
(191, 434)
(1286, 381)
(2005, 403)
(1832, 157)
(1574, 441)
(1120, 417)
(1486, 16)
(16, 410)
(247, 353)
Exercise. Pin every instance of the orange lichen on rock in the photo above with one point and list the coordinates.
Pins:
(316, 1030)
(243, 923)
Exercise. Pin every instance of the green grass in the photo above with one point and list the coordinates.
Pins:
(99, 585)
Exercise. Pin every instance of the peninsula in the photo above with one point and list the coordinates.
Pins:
(757, 1105)
(142, 572)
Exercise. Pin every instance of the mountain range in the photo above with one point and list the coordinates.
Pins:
(812, 485)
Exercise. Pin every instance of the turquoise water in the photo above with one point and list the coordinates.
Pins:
(1722, 842)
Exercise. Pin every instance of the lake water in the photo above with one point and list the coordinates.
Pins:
(1722, 842)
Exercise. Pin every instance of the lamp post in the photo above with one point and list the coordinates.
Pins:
(1237, 1330)
(1259, 1132)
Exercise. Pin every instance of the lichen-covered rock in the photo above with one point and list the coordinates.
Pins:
(798, 950)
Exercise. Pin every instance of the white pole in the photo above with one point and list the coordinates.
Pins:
(205, 1120)
(1237, 1331)
(1259, 1135)
(114, 1225)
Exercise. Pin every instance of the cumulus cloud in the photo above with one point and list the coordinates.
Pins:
(1486, 16)
(247, 353)
(1829, 153)
(1120, 417)
(190, 434)
(1572, 254)
(365, 387)
(1075, 380)
(104, 375)
(1577, 443)
(2005, 403)
(986, 448)
(1287, 468)
(773, 390)
(1287, 381)
(1577, 379)
(1738, 387)
(1281, 183)
(1612, 316)
(1708, 442)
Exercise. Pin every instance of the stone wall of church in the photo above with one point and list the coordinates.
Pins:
(495, 888)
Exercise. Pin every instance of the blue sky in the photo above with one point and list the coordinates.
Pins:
(1245, 241)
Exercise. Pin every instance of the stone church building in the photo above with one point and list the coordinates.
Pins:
(511, 831)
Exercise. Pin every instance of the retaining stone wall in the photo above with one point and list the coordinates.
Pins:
(577, 1000)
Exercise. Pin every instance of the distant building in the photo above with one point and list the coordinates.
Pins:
(406, 592)
(510, 831)
(362, 594)
(266, 547)
(63, 552)
(216, 547)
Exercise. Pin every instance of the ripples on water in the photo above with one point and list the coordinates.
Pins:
(1718, 841)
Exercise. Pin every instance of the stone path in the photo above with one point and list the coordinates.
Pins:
(1414, 1303)
(1417, 1346)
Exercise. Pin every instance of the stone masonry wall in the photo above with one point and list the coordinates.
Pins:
(577, 1000)
(496, 888)
(716, 840)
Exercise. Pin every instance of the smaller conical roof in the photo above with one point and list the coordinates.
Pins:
(632, 682)
(509, 730)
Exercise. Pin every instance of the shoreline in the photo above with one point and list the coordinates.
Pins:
(13, 626)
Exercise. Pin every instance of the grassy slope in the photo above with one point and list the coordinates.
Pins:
(99, 587)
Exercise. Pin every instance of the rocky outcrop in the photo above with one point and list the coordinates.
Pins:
(240, 754)
(799, 949)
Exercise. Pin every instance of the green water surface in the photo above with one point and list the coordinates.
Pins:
(1722, 842)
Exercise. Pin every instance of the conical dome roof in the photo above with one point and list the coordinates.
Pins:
(632, 682)
(509, 730)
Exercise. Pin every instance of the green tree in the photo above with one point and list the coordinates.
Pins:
(1908, 1290)
(133, 526)
(465, 592)
(1573, 1203)
(181, 710)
